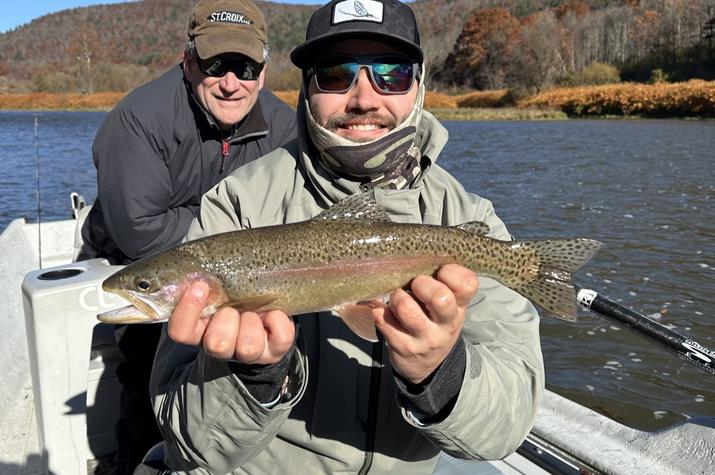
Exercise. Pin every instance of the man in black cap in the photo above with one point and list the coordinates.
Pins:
(454, 370)
(159, 150)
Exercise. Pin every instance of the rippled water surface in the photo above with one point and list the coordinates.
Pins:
(644, 188)
(63, 145)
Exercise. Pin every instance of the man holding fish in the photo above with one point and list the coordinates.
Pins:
(274, 382)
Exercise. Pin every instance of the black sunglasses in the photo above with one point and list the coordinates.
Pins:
(389, 74)
(244, 68)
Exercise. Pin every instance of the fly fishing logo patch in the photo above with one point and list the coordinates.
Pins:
(363, 10)
(229, 17)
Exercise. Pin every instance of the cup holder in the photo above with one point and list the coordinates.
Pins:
(60, 274)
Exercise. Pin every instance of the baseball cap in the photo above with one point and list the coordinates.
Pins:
(389, 20)
(228, 26)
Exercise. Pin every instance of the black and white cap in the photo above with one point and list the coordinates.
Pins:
(389, 20)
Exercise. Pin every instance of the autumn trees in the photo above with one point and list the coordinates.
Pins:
(481, 55)
(576, 42)
(522, 45)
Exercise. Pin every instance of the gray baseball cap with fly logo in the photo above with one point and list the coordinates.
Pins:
(388, 20)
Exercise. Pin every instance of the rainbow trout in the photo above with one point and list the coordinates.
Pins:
(345, 257)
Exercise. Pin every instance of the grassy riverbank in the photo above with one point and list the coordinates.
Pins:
(694, 98)
(501, 113)
(60, 101)
(689, 99)
(479, 105)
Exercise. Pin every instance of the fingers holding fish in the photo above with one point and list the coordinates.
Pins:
(439, 301)
(446, 297)
(219, 339)
(280, 331)
(421, 331)
(263, 338)
(251, 342)
(408, 311)
(446, 316)
(461, 281)
(185, 324)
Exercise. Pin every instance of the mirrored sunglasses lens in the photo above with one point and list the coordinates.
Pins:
(213, 67)
(335, 75)
(247, 70)
(243, 69)
(393, 76)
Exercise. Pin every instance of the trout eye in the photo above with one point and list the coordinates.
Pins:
(142, 284)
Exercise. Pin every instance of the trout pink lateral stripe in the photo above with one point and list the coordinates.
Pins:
(356, 268)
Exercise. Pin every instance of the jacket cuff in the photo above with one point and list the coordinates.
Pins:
(432, 400)
(265, 383)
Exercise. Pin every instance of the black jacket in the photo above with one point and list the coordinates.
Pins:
(157, 153)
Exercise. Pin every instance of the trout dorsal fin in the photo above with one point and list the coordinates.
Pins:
(360, 207)
(475, 227)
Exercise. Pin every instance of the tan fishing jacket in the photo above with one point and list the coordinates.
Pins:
(341, 414)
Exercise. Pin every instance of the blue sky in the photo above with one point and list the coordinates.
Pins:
(19, 12)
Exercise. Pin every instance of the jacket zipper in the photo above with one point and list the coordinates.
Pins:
(225, 144)
(375, 376)
(224, 153)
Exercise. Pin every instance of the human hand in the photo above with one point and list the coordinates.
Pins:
(421, 331)
(246, 337)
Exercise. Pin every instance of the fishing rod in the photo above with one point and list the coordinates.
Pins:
(37, 176)
(684, 347)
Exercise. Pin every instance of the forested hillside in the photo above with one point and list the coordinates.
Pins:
(115, 47)
(577, 43)
(483, 44)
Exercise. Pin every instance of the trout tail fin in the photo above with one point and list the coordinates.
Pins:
(550, 286)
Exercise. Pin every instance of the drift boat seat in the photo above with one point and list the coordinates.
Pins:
(72, 360)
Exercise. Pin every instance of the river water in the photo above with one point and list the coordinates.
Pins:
(646, 189)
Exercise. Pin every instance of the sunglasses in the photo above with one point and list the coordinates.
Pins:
(389, 74)
(218, 66)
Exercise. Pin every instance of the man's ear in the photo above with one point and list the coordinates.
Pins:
(262, 77)
(188, 61)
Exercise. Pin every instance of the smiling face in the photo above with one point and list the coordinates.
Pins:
(226, 98)
(361, 114)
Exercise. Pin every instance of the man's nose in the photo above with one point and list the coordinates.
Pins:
(363, 95)
(229, 82)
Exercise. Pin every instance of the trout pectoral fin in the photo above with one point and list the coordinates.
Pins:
(358, 317)
(250, 304)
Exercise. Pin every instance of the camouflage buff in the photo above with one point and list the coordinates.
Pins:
(391, 161)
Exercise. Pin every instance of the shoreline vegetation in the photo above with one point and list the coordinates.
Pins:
(691, 99)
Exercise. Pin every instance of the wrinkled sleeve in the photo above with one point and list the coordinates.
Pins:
(504, 376)
(134, 187)
(209, 420)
